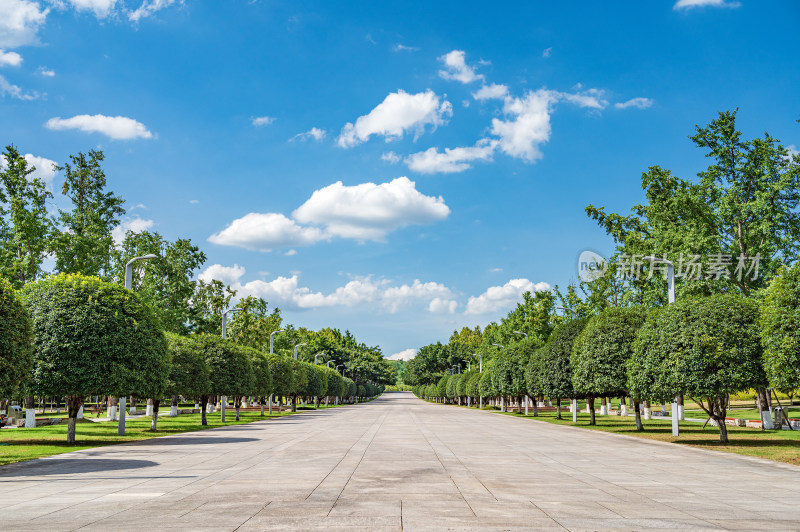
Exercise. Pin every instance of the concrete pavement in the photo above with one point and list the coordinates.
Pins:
(398, 463)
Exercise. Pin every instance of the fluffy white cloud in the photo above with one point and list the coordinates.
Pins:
(406, 354)
(44, 168)
(403, 48)
(114, 127)
(259, 121)
(46, 72)
(391, 157)
(502, 297)
(149, 8)
(453, 160)
(313, 133)
(228, 275)
(266, 231)
(396, 297)
(456, 68)
(19, 22)
(547, 52)
(688, 4)
(639, 103)
(15, 91)
(137, 225)
(492, 91)
(528, 119)
(368, 211)
(10, 58)
(442, 306)
(399, 113)
(100, 8)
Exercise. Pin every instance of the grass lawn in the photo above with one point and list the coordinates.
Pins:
(778, 445)
(17, 445)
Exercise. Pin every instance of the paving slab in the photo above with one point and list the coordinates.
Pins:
(398, 463)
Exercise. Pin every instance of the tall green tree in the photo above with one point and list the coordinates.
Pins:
(253, 324)
(780, 330)
(25, 227)
(84, 243)
(209, 301)
(16, 337)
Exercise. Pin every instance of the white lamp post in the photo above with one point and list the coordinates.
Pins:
(225, 322)
(295, 350)
(272, 339)
(571, 311)
(670, 300)
(129, 286)
(522, 333)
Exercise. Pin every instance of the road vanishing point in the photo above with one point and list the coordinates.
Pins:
(398, 463)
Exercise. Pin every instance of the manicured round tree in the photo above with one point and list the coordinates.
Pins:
(94, 338)
(508, 372)
(486, 386)
(473, 383)
(450, 389)
(189, 375)
(16, 341)
(704, 348)
(780, 330)
(441, 388)
(601, 351)
(231, 372)
(280, 367)
(461, 386)
(314, 384)
(352, 388)
(262, 377)
(299, 381)
(552, 370)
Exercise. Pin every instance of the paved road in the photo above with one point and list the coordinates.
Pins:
(398, 463)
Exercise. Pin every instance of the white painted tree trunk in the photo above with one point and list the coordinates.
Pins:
(80, 412)
(223, 402)
(173, 410)
(270, 404)
(681, 413)
(148, 411)
(527, 400)
(112, 413)
(623, 410)
(648, 413)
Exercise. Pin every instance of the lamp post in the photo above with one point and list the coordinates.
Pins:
(272, 340)
(522, 333)
(526, 395)
(571, 311)
(295, 350)
(500, 346)
(316, 355)
(469, 364)
(670, 300)
(223, 399)
(129, 286)
(328, 363)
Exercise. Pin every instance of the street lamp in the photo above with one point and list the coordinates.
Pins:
(670, 300)
(469, 364)
(500, 346)
(458, 366)
(318, 354)
(129, 286)
(480, 358)
(272, 339)
(225, 322)
(295, 350)
(571, 311)
(328, 363)
(522, 333)
(340, 366)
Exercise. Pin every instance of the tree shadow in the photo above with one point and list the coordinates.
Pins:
(72, 466)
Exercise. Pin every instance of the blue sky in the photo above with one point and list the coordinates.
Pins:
(394, 169)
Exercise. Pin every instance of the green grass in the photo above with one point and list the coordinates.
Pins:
(778, 445)
(17, 445)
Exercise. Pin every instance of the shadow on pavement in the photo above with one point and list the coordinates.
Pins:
(71, 466)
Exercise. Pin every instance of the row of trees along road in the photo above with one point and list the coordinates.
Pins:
(734, 327)
(75, 332)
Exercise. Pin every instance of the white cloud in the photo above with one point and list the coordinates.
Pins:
(313, 133)
(46, 72)
(368, 211)
(398, 114)
(456, 68)
(291, 253)
(114, 127)
(639, 103)
(228, 275)
(453, 160)
(100, 8)
(403, 48)
(547, 52)
(194, 201)
(19, 22)
(391, 157)
(496, 270)
(44, 167)
(264, 232)
(259, 121)
(406, 354)
(15, 91)
(396, 297)
(149, 8)
(502, 297)
(689, 4)
(493, 91)
(528, 123)
(442, 306)
(10, 58)
(137, 225)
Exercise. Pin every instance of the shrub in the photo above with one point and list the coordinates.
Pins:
(16, 341)
(780, 330)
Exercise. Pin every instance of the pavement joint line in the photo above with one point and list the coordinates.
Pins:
(252, 516)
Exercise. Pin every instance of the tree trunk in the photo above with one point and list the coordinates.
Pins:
(535, 406)
(133, 405)
(270, 404)
(280, 403)
(638, 414)
(203, 404)
(238, 403)
(590, 404)
(74, 404)
(763, 407)
(154, 421)
(173, 409)
(558, 408)
(294, 403)
(30, 412)
(261, 401)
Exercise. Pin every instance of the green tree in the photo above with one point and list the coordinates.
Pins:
(253, 324)
(166, 282)
(189, 373)
(280, 367)
(780, 330)
(704, 348)
(601, 351)
(94, 338)
(84, 244)
(16, 336)
(231, 372)
(262, 376)
(551, 371)
(25, 228)
(209, 301)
